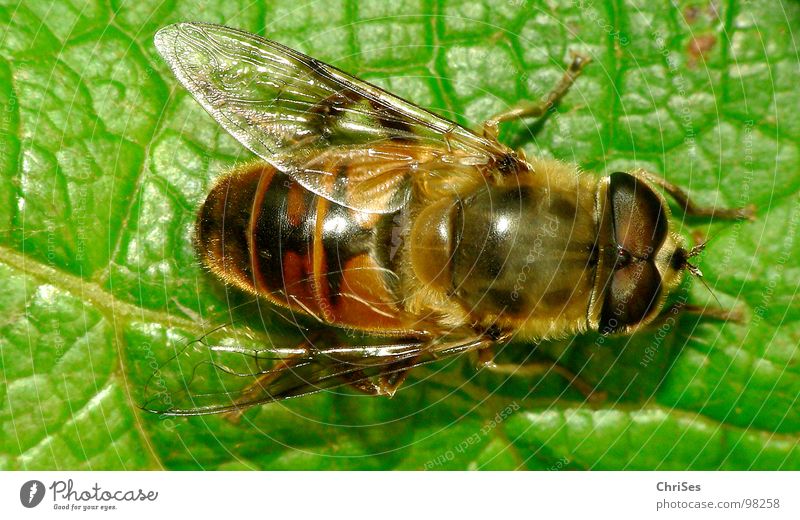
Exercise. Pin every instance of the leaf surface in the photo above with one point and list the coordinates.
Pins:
(104, 160)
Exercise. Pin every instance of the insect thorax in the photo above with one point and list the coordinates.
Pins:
(522, 254)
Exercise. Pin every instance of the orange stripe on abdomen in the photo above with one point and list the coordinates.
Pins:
(223, 228)
(264, 184)
(263, 232)
(364, 299)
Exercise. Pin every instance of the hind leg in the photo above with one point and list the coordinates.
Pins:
(386, 383)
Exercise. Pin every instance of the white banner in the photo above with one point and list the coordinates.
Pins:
(399, 495)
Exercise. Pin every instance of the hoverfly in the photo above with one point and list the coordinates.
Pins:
(491, 244)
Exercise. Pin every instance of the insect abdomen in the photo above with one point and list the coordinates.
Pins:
(263, 232)
(223, 226)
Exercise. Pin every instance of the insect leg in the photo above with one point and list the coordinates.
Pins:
(695, 210)
(669, 314)
(541, 107)
(394, 374)
(263, 381)
(715, 313)
(539, 368)
(388, 380)
(486, 358)
(361, 382)
(392, 380)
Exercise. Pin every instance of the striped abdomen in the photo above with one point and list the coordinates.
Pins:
(263, 232)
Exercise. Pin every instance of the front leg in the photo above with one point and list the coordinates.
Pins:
(691, 208)
(670, 314)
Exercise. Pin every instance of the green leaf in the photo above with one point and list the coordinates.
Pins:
(104, 160)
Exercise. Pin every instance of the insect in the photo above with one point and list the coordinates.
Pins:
(366, 212)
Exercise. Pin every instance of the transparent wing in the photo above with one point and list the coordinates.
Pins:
(234, 378)
(287, 107)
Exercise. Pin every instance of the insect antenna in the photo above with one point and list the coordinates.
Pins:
(696, 251)
(705, 284)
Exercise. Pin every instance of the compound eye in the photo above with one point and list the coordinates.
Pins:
(633, 291)
(640, 228)
(640, 224)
